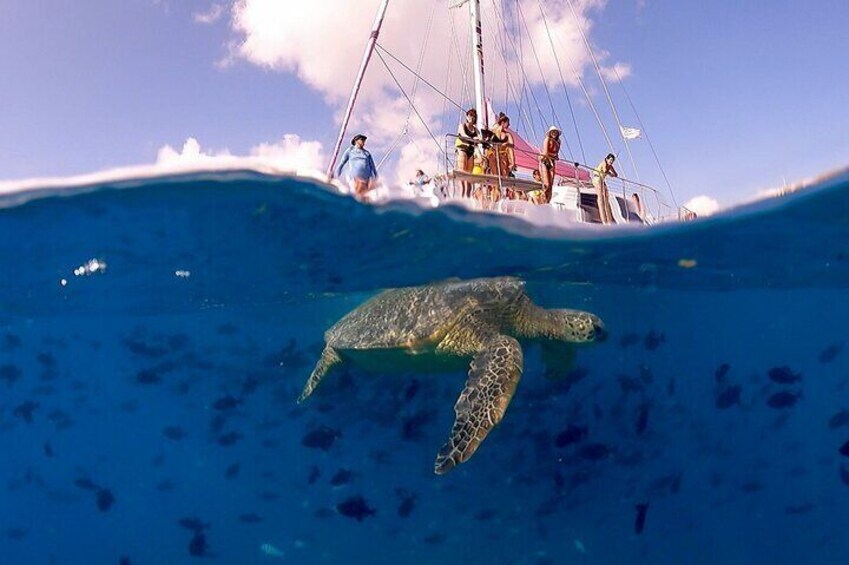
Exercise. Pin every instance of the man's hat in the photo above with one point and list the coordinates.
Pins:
(358, 136)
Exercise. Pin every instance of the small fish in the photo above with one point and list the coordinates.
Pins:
(125, 561)
(355, 507)
(411, 427)
(640, 519)
(10, 341)
(271, 551)
(48, 449)
(26, 410)
(198, 546)
(16, 534)
(572, 434)
(342, 477)
(46, 360)
(844, 449)
(226, 402)
(783, 375)
(728, 397)
(784, 399)
(579, 547)
(839, 420)
(721, 372)
(232, 471)
(10, 374)
(670, 387)
(105, 499)
(320, 438)
(653, 340)
(831, 352)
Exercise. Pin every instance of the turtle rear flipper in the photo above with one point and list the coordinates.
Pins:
(329, 358)
(493, 376)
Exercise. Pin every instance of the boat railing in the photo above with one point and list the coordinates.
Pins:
(651, 206)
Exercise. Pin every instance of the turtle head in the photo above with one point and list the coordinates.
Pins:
(580, 327)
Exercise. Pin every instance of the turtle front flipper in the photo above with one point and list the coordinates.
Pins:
(329, 358)
(494, 373)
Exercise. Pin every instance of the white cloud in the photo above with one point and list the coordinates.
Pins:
(616, 72)
(212, 15)
(290, 155)
(703, 205)
(322, 43)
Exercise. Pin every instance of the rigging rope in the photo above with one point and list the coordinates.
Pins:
(543, 78)
(604, 86)
(562, 80)
(648, 139)
(401, 88)
(525, 85)
(417, 74)
(464, 84)
(424, 80)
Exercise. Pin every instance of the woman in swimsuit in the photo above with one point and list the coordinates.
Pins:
(547, 161)
(467, 132)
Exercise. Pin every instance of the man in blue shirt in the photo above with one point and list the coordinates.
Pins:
(360, 166)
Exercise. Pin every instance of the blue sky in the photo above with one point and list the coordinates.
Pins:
(736, 96)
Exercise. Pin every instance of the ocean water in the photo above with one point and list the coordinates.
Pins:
(155, 334)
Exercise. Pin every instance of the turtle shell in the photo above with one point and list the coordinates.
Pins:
(414, 317)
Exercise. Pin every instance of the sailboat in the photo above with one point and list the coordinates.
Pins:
(574, 199)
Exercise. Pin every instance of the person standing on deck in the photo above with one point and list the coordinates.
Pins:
(548, 160)
(467, 134)
(600, 173)
(504, 143)
(360, 165)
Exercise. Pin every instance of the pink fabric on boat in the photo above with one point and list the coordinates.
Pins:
(527, 157)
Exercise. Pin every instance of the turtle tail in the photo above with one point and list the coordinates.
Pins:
(329, 358)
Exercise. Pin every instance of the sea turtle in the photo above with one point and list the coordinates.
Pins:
(478, 319)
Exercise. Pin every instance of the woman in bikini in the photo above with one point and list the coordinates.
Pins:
(548, 160)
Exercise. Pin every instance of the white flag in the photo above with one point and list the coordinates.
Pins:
(631, 133)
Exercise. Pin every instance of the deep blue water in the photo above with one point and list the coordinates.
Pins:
(163, 388)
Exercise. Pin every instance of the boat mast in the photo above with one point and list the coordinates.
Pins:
(477, 59)
(372, 40)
